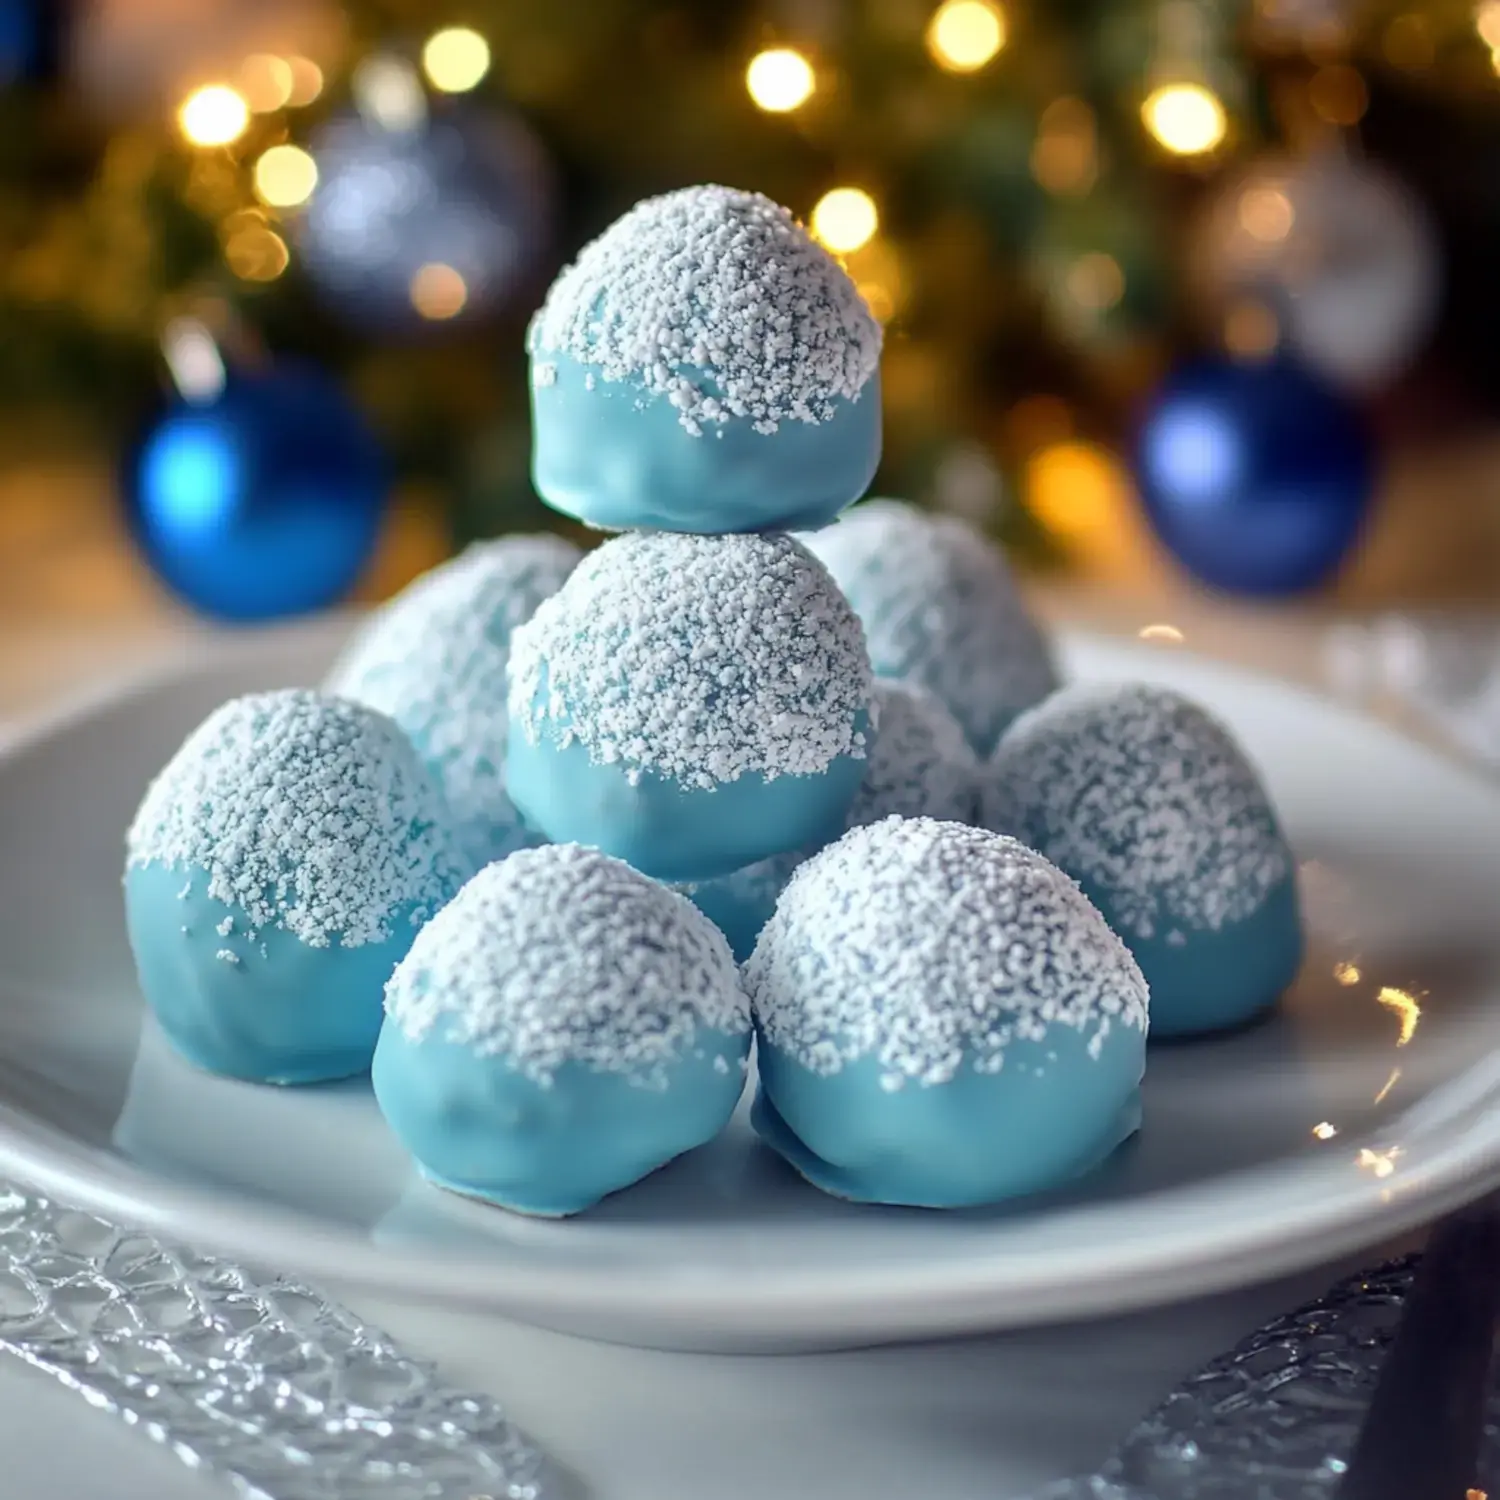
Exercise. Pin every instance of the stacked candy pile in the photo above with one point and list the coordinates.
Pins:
(511, 855)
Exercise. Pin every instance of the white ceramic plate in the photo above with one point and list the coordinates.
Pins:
(1238, 1173)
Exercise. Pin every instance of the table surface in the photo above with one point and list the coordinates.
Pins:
(994, 1416)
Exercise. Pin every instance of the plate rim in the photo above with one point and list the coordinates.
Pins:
(981, 1293)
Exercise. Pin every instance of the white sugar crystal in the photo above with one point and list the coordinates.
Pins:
(306, 812)
(940, 608)
(719, 301)
(434, 659)
(698, 658)
(921, 765)
(931, 946)
(562, 954)
(1141, 793)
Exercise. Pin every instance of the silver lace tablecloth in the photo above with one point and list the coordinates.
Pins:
(1275, 1419)
(258, 1379)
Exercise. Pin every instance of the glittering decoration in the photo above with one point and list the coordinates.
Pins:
(260, 499)
(1443, 674)
(1278, 1416)
(1342, 253)
(259, 1380)
(1256, 476)
(411, 228)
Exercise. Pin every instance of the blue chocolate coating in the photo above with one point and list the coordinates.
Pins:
(740, 904)
(478, 1126)
(1050, 1114)
(617, 457)
(281, 1011)
(1214, 980)
(666, 830)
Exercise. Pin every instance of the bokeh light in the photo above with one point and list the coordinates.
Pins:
(1065, 154)
(438, 292)
(963, 35)
(285, 176)
(1338, 94)
(1186, 118)
(307, 81)
(1408, 43)
(1080, 493)
(455, 59)
(1266, 213)
(255, 252)
(845, 218)
(780, 80)
(1487, 23)
(214, 115)
(1095, 282)
(266, 83)
(1251, 330)
(388, 91)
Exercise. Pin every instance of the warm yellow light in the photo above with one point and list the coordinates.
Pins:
(963, 35)
(876, 271)
(1164, 635)
(1406, 1007)
(1381, 1163)
(1338, 94)
(1325, 1131)
(256, 253)
(1077, 491)
(1065, 154)
(438, 292)
(1389, 1084)
(1186, 118)
(1251, 329)
(845, 218)
(1266, 214)
(214, 115)
(307, 81)
(1095, 282)
(455, 59)
(1346, 973)
(285, 176)
(1487, 23)
(266, 82)
(1408, 44)
(780, 80)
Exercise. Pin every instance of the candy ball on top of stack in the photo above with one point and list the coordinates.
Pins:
(704, 366)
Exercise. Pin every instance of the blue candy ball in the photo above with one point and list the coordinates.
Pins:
(263, 502)
(1256, 476)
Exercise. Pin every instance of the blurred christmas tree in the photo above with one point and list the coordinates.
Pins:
(1037, 196)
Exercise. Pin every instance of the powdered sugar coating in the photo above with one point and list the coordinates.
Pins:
(435, 659)
(718, 300)
(1140, 793)
(941, 609)
(562, 954)
(307, 812)
(930, 946)
(699, 658)
(920, 766)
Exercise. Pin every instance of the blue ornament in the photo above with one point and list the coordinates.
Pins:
(439, 220)
(262, 501)
(24, 38)
(1256, 476)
